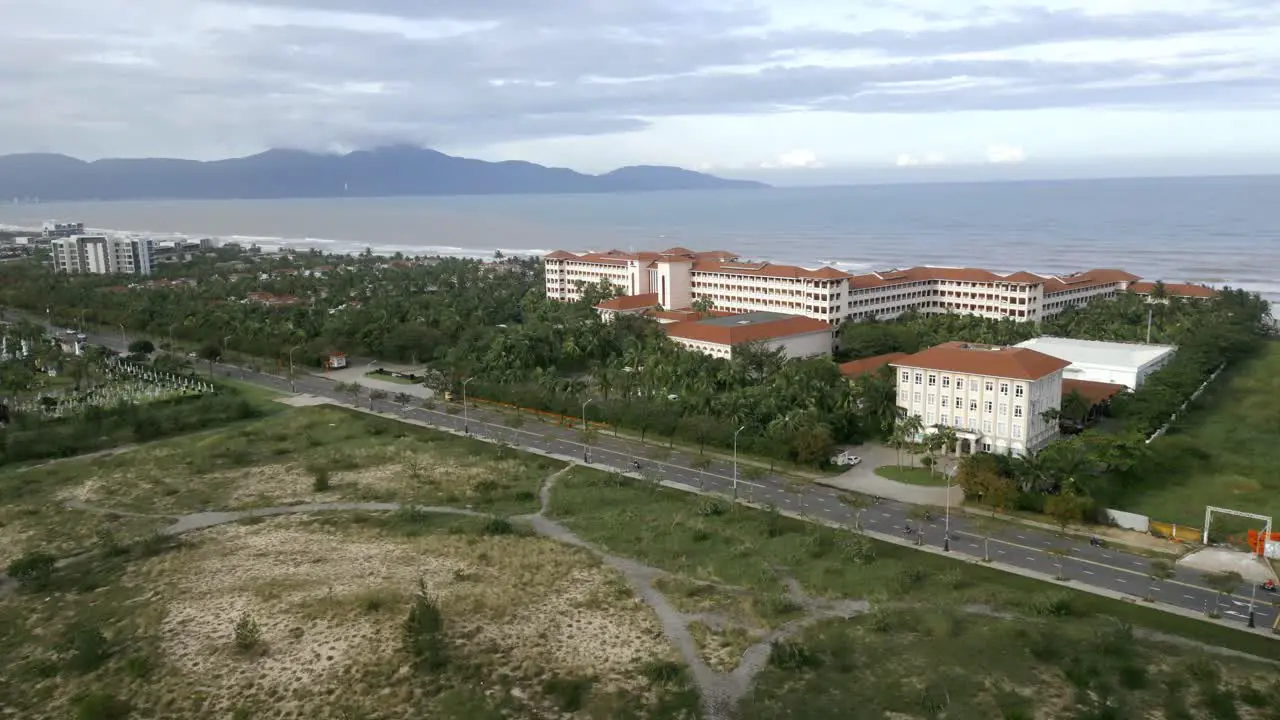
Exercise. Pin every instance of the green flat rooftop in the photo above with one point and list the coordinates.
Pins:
(751, 318)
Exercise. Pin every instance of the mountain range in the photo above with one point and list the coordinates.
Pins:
(383, 172)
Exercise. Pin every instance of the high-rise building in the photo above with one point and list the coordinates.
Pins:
(102, 255)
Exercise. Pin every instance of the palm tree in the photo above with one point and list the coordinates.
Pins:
(1159, 571)
(911, 428)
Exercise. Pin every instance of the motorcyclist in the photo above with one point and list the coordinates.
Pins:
(1269, 585)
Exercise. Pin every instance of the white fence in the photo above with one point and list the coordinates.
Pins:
(1164, 428)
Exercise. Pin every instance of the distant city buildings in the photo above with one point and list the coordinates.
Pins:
(54, 229)
(102, 255)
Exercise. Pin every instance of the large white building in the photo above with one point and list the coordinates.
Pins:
(673, 279)
(994, 398)
(102, 255)
(1097, 361)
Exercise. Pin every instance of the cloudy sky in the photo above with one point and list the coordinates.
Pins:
(797, 91)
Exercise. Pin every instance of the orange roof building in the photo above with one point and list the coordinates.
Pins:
(868, 365)
(994, 398)
(795, 335)
(679, 276)
(1178, 290)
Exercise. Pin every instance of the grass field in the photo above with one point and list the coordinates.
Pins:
(139, 626)
(1227, 449)
(912, 476)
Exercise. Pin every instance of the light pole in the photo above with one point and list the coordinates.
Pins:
(466, 422)
(1253, 595)
(124, 338)
(586, 438)
(291, 351)
(735, 462)
(946, 527)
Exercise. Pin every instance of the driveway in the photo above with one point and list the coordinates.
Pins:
(356, 374)
(862, 478)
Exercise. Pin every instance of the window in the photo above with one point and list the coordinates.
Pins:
(973, 406)
(986, 426)
(1004, 409)
(917, 397)
(959, 383)
(990, 386)
(933, 379)
(1017, 411)
(1017, 431)
(942, 419)
(973, 423)
(929, 420)
(986, 406)
(932, 399)
(906, 376)
(1019, 390)
(959, 403)
(946, 381)
(902, 395)
(1004, 388)
(1000, 429)
(919, 378)
(986, 447)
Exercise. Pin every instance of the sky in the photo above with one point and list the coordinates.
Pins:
(795, 92)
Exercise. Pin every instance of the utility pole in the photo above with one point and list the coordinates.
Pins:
(1149, 309)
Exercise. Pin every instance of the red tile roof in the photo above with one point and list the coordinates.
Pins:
(630, 302)
(1186, 290)
(868, 365)
(719, 334)
(994, 361)
(767, 269)
(1094, 392)
(1088, 278)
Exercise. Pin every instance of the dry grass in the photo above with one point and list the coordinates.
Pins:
(54, 529)
(722, 646)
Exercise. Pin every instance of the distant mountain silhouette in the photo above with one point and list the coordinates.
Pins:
(388, 171)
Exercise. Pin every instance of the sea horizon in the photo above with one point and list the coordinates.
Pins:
(1219, 231)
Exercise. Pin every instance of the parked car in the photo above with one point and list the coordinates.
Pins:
(846, 459)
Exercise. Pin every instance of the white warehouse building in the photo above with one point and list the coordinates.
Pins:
(1114, 363)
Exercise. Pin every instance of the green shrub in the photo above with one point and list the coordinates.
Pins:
(101, 706)
(246, 634)
(320, 479)
(663, 672)
(33, 570)
(498, 526)
(787, 655)
(570, 694)
(87, 648)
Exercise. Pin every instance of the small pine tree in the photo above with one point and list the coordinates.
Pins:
(424, 631)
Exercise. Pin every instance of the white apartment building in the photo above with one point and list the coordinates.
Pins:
(794, 335)
(993, 397)
(102, 255)
(679, 276)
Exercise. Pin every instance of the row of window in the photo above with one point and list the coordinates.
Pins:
(958, 402)
(1019, 390)
(957, 421)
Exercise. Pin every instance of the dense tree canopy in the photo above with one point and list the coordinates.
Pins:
(491, 322)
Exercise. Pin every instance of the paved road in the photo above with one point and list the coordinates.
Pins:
(1025, 548)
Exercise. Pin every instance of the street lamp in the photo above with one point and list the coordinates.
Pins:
(586, 438)
(466, 423)
(735, 462)
(1253, 594)
(291, 351)
(946, 528)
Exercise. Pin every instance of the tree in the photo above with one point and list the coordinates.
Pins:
(1221, 583)
(703, 306)
(1159, 571)
(1066, 508)
(209, 352)
(424, 638)
(403, 399)
(376, 396)
(909, 430)
(979, 476)
(141, 347)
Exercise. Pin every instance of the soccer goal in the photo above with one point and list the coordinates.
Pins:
(1265, 520)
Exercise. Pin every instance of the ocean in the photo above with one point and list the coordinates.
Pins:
(1218, 231)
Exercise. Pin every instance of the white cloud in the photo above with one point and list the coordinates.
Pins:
(928, 159)
(1006, 155)
(793, 160)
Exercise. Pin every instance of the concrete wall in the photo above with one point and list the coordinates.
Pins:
(1128, 520)
(799, 346)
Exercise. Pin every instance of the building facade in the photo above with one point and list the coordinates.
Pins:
(102, 255)
(54, 229)
(994, 398)
(677, 277)
(794, 336)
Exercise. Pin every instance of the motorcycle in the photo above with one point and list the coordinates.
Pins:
(1095, 542)
(1268, 586)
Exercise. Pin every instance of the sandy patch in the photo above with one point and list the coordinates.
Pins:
(330, 603)
(1250, 567)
